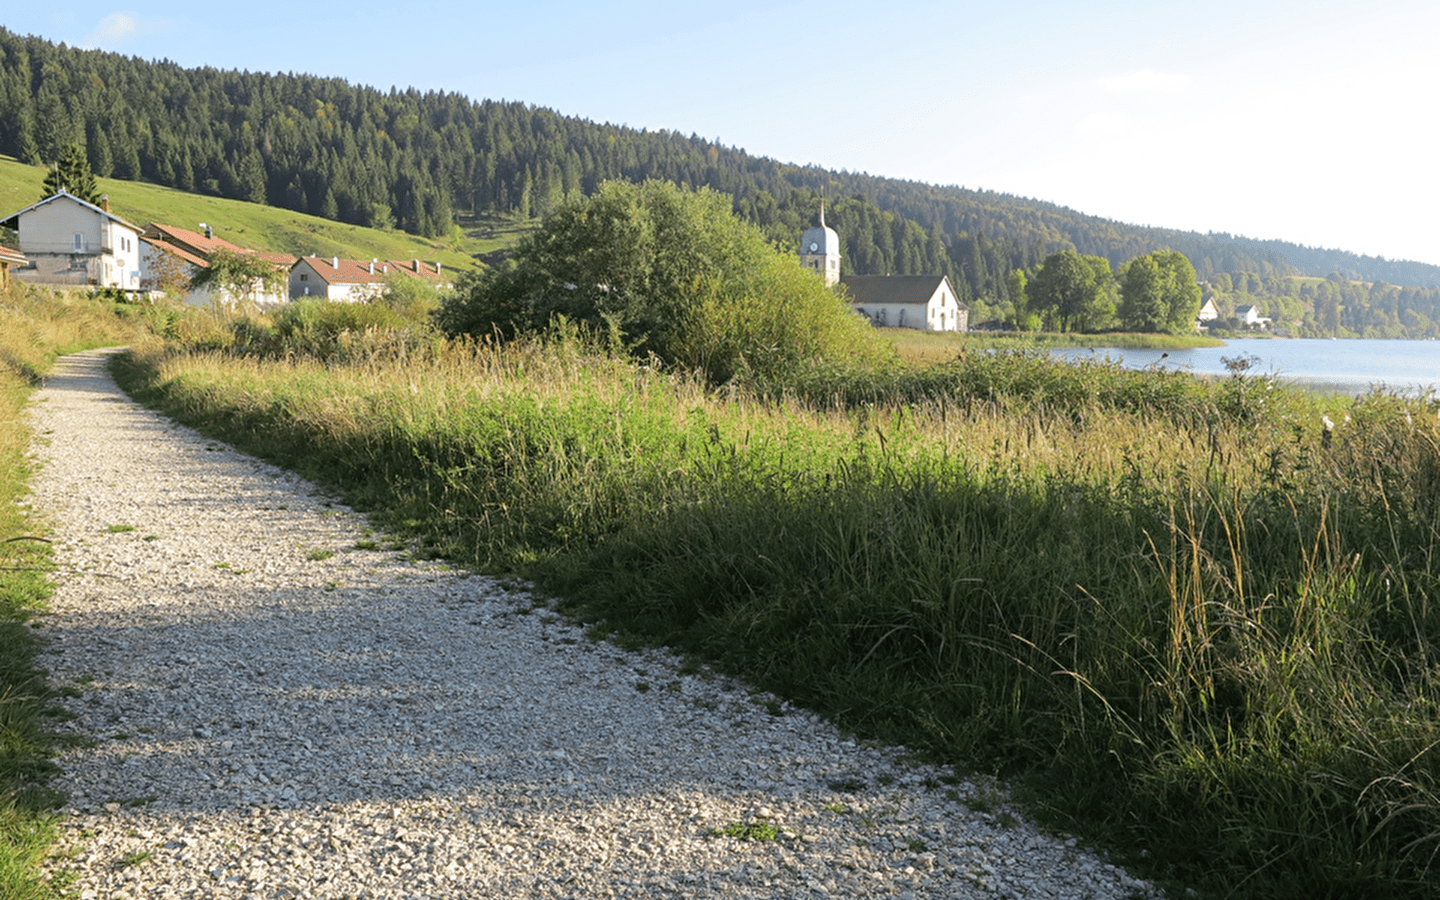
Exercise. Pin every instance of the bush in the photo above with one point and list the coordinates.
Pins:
(672, 273)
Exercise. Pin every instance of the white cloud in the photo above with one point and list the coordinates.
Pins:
(1145, 81)
(112, 29)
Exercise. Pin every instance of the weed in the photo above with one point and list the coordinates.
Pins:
(133, 859)
(749, 831)
(119, 529)
(846, 785)
(317, 554)
(367, 544)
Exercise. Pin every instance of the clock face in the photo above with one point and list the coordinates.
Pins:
(814, 246)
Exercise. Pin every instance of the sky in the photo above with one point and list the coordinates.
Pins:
(1314, 122)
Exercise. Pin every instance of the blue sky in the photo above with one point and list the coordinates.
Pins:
(1312, 122)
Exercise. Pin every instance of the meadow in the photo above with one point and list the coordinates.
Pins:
(1192, 620)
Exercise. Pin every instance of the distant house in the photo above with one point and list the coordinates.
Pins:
(1250, 317)
(70, 242)
(356, 280)
(167, 250)
(1209, 312)
(9, 259)
(923, 302)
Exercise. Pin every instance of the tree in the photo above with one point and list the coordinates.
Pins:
(235, 278)
(71, 173)
(1072, 290)
(671, 272)
(1159, 292)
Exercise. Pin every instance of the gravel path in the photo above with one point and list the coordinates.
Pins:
(274, 707)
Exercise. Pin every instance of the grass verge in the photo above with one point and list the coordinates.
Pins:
(35, 326)
(1194, 618)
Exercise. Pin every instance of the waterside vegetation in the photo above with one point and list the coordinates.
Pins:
(1193, 618)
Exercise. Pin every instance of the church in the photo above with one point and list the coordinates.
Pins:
(922, 302)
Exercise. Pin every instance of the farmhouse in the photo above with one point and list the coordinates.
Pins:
(70, 242)
(1209, 312)
(355, 280)
(171, 256)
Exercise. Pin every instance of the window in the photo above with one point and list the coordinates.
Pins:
(304, 277)
(79, 242)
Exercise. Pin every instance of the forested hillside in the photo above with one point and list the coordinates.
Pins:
(412, 161)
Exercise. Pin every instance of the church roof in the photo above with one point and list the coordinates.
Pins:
(893, 288)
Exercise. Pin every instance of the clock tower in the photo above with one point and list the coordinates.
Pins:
(820, 251)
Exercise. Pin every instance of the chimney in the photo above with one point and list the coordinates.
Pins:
(372, 266)
(387, 268)
(416, 264)
(334, 262)
(209, 233)
(437, 267)
(104, 202)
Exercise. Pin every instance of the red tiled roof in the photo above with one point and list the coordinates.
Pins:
(194, 240)
(11, 255)
(366, 271)
(186, 255)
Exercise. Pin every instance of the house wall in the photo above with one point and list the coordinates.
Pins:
(306, 281)
(68, 243)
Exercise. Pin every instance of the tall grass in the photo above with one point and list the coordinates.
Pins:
(35, 326)
(1197, 622)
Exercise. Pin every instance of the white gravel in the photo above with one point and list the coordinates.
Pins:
(270, 711)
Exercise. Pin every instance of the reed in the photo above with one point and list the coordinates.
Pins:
(1192, 618)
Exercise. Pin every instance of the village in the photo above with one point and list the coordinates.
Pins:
(65, 241)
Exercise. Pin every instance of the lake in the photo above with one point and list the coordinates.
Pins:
(1342, 366)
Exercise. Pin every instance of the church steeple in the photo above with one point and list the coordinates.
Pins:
(820, 250)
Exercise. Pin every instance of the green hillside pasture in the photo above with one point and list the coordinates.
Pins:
(1203, 633)
(269, 228)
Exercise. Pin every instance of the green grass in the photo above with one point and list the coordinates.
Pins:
(1190, 623)
(260, 227)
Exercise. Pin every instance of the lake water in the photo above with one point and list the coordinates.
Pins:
(1343, 366)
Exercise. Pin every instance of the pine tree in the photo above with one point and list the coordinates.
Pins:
(71, 173)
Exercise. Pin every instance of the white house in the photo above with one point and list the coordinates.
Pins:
(70, 242)
(1209, 312)
(355, 280)
(922, 302)
(1250, 317)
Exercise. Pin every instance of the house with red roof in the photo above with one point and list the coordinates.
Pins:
(171, 257)
(357, 280)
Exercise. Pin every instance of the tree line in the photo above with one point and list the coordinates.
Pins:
(415, 160)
